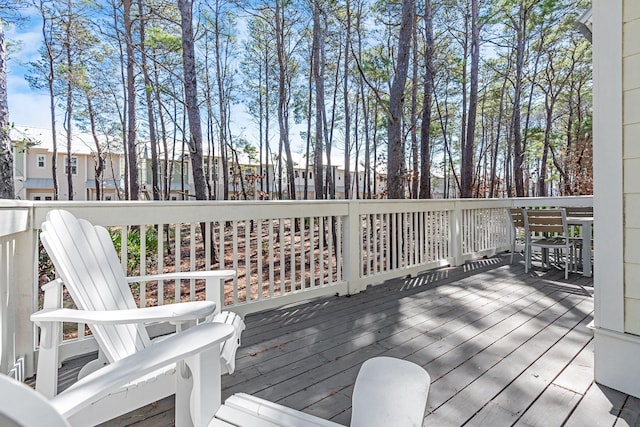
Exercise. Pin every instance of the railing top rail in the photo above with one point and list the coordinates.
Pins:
(14, 220)
(140, 212)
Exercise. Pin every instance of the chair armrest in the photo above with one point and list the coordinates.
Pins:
(104, 381)
(214, 282)
(173, 313)
(211, 274)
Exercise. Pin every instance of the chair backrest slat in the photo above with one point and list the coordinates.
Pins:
(517, 217)
(580, 211)
(85, 259)
(546, 221)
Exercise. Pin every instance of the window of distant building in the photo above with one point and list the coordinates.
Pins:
(41, 160)
(74, 166)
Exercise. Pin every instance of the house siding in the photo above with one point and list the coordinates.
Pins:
(631, 144)
(36, 183)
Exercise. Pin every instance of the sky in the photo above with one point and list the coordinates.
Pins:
(27, 107)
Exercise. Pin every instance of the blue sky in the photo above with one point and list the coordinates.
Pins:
(26, 106)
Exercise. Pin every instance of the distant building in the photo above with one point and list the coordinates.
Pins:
(33, 151)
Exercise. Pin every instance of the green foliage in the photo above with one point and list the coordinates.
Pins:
(134, 247)
(158, 38)
(25, 141)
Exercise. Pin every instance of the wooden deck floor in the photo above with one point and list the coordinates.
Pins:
(502, 348)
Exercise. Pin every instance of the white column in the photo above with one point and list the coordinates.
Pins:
(607, 164)
(616, 352)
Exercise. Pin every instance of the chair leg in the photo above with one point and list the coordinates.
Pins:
(513, 249)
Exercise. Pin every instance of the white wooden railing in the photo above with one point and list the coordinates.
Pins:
(284, 252)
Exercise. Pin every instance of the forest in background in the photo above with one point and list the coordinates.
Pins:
(492, 97)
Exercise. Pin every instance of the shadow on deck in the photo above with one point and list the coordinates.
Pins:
(502, 348)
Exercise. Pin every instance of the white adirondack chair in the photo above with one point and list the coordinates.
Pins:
(194, 348)
(387, 392)
(85, 259)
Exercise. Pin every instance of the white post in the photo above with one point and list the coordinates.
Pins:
(17, 283)
(206, 395)
(26, 281)
(455, 234)
(616, 352)
(351, 247)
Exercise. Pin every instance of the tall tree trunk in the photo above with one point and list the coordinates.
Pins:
(99, 163)
(366, 188)
(330, 182)
(7, 190)
(211, 150)
(267, 121)
(425, 130)
(347, 114)
(222, 104)
(163, 133)
(319, 86)
(191, 98)
(69, 109)
(395, 167)
(413, 130)
(518, 152)
(134, 189)
(549, 103)
(469, 145)
(47, 40)
(309, 117)
(149, 99)
(283, 103)
(494, 159)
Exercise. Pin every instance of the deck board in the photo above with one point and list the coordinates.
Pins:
(502, 348)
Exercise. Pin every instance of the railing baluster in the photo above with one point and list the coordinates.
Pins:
(123, 247)
(206, 240)
(312, 251)
(374, 224)
(292, 255)
(247, 259)
(303, 252)
(281, 260)
(178, 261)
(321, 232)
(160, 258)
(234, 241)
(192, 259)
(259, 274)
(339, 259)
(271, 260)
(143, 264)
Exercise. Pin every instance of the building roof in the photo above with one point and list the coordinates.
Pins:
(82, 142)
(38, 183)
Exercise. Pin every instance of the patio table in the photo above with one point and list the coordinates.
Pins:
(586, 225)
